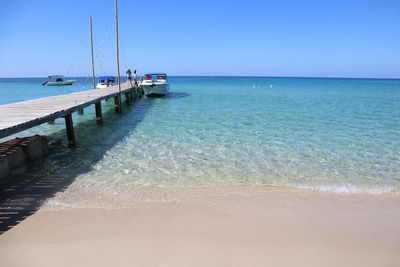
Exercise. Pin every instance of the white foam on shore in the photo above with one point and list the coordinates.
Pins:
(138, 195)
(350, 189)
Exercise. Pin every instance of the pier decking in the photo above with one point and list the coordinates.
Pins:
(16, 117)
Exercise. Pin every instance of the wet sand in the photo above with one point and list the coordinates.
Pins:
(215, 227)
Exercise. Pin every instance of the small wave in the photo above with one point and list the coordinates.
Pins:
(155, 194)
(351, 189)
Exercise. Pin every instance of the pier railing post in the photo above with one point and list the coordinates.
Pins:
(99, 115)
(70, 130)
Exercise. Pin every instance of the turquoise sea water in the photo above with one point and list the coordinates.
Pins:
(314, 133)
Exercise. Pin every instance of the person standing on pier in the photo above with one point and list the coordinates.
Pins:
(129, 74)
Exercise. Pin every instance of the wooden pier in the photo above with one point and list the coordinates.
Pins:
(17, 117)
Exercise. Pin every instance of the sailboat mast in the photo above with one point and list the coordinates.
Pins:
(116, 35)
(91, 46)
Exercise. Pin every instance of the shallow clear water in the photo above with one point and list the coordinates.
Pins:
(322, 134)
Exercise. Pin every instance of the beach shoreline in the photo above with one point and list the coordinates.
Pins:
(230, 226)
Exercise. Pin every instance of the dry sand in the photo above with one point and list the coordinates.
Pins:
(238, 227)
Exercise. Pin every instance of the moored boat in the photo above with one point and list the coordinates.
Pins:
(155, 84)
(57, 80)
(105, 81)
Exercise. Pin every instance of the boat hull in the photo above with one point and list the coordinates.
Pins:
(155, 89)
(59, 83)
(101, 86)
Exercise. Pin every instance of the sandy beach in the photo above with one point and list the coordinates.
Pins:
(200, 133)
(245, 226)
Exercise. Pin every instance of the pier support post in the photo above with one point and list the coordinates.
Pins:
(70, 130)
(117, 102)
(99, 115)
(135, 92)
(132, 94)
(80, 111)
(127, 99)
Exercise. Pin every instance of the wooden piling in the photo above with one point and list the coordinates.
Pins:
(99, 115)
(131, 92)
(80, 111)
(70, 130)
(117, 103)
(127, 99)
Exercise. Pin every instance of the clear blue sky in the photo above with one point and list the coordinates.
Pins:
(265, 38)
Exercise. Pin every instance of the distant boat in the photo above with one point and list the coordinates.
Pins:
(155, 84)
(105, 81)
(57, 80)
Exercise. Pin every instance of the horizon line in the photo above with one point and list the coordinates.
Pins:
(241, 76)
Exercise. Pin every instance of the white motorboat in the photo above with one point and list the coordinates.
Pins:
(105, 81)
(57, 80)
(155, 84)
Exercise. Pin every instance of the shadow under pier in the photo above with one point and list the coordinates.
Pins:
(25, 191)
